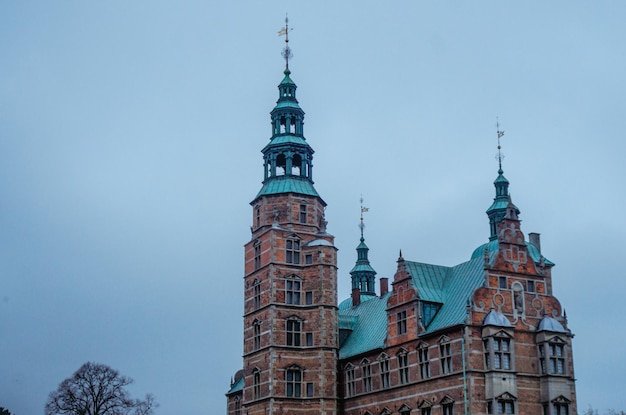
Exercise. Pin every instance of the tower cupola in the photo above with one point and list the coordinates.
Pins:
(287, 158)
(363, 275)
(498, 208)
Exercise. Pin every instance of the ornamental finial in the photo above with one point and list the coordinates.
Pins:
(500, 155)
(362, 224)
(286, 50)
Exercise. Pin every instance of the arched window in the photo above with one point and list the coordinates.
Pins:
(445, 355)
(256, 299)
(257, 334)
(237, 405)
(424, 361)
(366, 368)
(281, 163)
(350, 381)
(403, 366)
(296, 168)
(383, 364)
(256, 383)
(257, 254)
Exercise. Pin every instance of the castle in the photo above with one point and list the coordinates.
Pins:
(483, 337)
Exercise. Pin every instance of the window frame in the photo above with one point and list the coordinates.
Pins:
(293, 381)
(403, 366)
(445, 356)
(292, 251)
(401, 322)
(366, 369)
(383, 365)
(350, 380)
(293, 332)
(293, 290)
(424, 361)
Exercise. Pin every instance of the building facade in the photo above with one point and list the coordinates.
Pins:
(483, 337)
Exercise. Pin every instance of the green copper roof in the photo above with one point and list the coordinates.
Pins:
(286, 139)
(287, 79)
(457, 287)
(368, 322)
(362, 268)
(498, 204)
(236, 387)
(492, 247)
(287, 184)
(287, 104)
(451, 287)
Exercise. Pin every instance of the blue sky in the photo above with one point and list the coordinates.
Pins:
(130, 138)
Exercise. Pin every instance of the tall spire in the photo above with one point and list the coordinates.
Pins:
(363, 275)
(288, 158)
(498, 208)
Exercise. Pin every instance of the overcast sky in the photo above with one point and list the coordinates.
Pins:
(130, 138)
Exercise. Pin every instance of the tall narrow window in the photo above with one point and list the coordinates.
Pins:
(294, 328)
(367, 376)
(257, 294)
(426, 411)
(257, 334)
(256, 383)
(403, 367)
(292, 292)
(384, 371)
(350, 382)
(293, 379)
(557, 358)
(498, 353)
(292, 252)
(446, 358)
(258, 216)
(257, 255)
(302, 213)
(401, 322)
(502, 283)
(237, 405)
(424, 362)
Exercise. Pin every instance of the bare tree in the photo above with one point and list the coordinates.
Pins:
(96, 389)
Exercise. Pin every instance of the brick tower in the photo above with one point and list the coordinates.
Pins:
(290, 300)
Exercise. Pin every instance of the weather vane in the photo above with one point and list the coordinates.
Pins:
(363, 210)
(286, 50)
(500, 155)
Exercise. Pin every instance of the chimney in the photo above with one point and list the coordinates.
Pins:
(384, 286)
(356, 297)
(535, 240)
